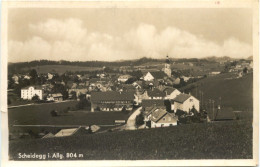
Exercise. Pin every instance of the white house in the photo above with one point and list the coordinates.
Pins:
(50, 76)
(123, 78)
(161, 118)
(55, 97)
(27, 93)
(151, 76)
(185, 102)
(171, 93)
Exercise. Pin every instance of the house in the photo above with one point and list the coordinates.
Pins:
(156, 94)
(15, 78)
(127, 87)
(171, 93)
(79, 90)
(29, 92)
(123, 78)
(161, 118)
(112, 101)
(71, 132)
(49, 76)
(55, 97)
(185, 102)
(177, 81)
(155, 75)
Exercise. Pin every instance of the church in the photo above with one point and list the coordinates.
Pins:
(167, 67)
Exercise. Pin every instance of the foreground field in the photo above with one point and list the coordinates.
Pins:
(40, 115)
(219, 140)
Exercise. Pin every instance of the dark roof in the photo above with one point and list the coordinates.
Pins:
(112, 96)
(169, 90)
(152, 102)
(181, 98)
(158, 74)
(35, 87)
(158, 114)
(94, 80)
(156, 93)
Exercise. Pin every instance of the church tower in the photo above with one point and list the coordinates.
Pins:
(167, 67)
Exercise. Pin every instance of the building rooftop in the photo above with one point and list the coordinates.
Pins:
(158, 74)
(112, 96)
(156, 93)
(181, 98)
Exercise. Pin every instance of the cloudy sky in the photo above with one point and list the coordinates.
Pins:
(118, 34)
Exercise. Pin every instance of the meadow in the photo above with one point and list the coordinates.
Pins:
(40, 115)
(227, 90)
(218, 140)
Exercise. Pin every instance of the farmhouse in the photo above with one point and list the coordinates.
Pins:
(161, 118)
(155, 75)
(185, 102)
(55, 97)
(171, 93)
(112, 101)
(27, 93)
(148, 104)
(155, 94)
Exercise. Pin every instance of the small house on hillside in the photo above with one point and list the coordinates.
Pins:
(159, 117)
(112, 101)
(185, 102)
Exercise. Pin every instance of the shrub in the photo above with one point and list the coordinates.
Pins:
(139, 120)
(54, 113)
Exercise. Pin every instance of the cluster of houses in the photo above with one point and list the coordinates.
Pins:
(113, 94)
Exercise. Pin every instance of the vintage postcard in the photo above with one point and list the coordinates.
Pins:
(129, 83)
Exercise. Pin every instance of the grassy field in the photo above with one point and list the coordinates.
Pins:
(40, 115)
(218, 140)
(60, 69)
(234, 92)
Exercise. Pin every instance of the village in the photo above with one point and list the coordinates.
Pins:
(151, 98)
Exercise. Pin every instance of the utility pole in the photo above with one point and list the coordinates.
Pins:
(213, 109)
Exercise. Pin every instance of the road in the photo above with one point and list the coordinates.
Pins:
(130, 125)
(36, 104)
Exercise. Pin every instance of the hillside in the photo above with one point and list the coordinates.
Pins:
(234, 92)
(190, 141)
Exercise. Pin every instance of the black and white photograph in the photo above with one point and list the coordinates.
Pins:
(131, 81)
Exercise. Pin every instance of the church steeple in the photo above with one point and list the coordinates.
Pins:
(167, 67)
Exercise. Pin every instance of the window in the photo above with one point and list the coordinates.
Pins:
(164, 119)
(191, 100)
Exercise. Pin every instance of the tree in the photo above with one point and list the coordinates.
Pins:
(34, 76)
(139, 120)
(35, 98)
(245, 70)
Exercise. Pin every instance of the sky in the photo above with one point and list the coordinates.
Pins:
(112, 34)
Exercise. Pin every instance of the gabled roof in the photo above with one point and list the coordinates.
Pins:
(169, 90)
(158, 114)
(152, 102)
(156, 93)
(158, 74)
(112, 96)
(181, 98)
(37, 87)
(67, 132)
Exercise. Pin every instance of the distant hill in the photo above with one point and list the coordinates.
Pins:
(16, 67)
